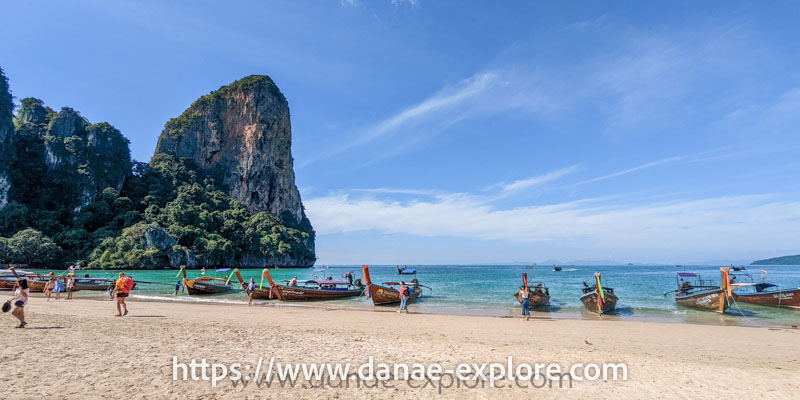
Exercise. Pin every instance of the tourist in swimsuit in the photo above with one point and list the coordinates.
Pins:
(20, 299)
(70, 286)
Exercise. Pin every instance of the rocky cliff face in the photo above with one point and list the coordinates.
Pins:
(242, 133)
(6, 138)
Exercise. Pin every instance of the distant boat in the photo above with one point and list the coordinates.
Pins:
(598, 298)
(538, 296)
(406, 271)
(679, 266)
(630, 263)
(528, 267)
(556, 268)
(740, 268)
(695, 292)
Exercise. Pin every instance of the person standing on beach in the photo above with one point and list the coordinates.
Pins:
(59, 287)
(122, 289)
(20, 298)
(403, 293)
(524, 295)
(70, 286)
(177, 287)
(251, 287)
(48, 287)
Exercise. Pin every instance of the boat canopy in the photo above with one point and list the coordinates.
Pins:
(687, 275)
(326, 282)
(408, 271)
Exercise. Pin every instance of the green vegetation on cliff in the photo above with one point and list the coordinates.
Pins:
(785, 260)
(180, 124)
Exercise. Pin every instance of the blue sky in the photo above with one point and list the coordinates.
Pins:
(470, 131)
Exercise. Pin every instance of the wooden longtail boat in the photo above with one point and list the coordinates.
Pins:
(205, 284)
(385, 295)
(258, 293)
(598, 298)
(766, 294)
(315, 289)
(538, 294)
(98, 284)
(694, 292)
(556, 268)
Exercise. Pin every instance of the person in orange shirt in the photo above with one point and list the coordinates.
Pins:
(119, 291)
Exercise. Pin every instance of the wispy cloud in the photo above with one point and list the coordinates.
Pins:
(538, 180)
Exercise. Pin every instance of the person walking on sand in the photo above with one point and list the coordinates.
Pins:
(524, 295)
(20, 298)
(122, 289)
(48, 287)
(251, 287)
(403, 293)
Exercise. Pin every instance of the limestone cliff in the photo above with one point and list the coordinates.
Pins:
(6, 138)
(242, 133)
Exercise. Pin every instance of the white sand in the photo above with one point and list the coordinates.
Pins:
(78, 349)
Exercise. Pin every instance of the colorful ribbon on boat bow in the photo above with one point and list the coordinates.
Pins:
(601, 297)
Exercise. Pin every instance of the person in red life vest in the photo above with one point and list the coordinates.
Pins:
(122, 290)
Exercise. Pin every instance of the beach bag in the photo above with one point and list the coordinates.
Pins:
(127, 284)
(7, 306)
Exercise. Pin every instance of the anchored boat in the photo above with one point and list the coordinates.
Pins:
(765, 294)
(597, 298)
(386, 294)
(316, 289)
(538, 293)
(695, 292)
(205, 284)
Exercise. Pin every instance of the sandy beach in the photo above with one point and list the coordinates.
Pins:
(79, 348)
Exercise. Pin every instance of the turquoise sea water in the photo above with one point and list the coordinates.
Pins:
(488, 290)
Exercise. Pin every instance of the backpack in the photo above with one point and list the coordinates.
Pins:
(127, 284)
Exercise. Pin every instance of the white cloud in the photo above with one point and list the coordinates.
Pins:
(754, 223)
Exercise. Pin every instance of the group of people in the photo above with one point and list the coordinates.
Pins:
(57, 285)
(121, 290)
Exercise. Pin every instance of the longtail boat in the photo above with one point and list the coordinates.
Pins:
(315, 289)
(205, 284)
(598, 298)
(765, 294)
(385, 295)
(556, 268)
(258, 292)
(538, 293)
(694, 292)
(98, 284)
(406, 271)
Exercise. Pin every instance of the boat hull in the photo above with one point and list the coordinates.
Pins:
(36, 286)
(384, 295)
(710, 300)
(100, 288)
(535, 299)
(298, 293)
(200, 288)
(589, 301)
(779, 298)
